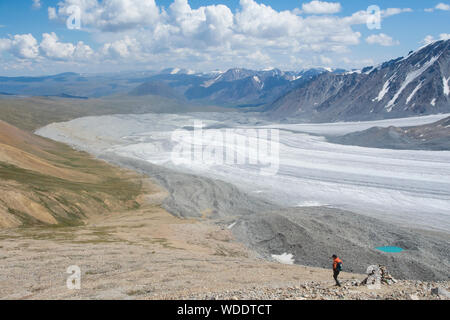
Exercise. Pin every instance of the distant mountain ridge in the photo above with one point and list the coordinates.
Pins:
(156, 88)
(407, 86)
(248, 87)
(235, 87)
(434, 136)
(417, 84)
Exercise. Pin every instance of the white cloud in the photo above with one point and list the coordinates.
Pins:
(22, 46)
(254, 35)
(259, 20)
(50, 47)
(5, 44)
(210, 24)
(52, 15)
(394, 11)
(110, 15)
(361, 17)
(430, 39)
(25, 46)
(443, 6)
(123, 48)
(208, 37)
(381, 39)
(37, 4)
(321, 7)
(440, 6)
(326, 61)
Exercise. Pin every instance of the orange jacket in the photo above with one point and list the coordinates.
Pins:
(335, 263)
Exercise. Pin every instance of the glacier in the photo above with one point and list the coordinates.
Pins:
(405, 187)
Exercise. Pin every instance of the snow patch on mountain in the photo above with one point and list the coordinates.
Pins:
(383, 91)
(209, 83)
(370, 70)
(284, 258)
(410, 78)
(446, 88)
(353, 72)
(414, 92)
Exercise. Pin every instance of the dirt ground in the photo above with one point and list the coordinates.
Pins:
(149, 254)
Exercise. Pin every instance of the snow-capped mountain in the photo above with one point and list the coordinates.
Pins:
(412, 85)
(177, 71)
(249, 87)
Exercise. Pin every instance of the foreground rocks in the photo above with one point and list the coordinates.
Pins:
(150, 254)
(404, 290)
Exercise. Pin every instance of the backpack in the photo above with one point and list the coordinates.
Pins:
(339, 266)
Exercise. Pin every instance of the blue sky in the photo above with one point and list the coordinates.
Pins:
(118, 35)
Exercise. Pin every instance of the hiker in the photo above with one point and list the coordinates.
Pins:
(337, 267)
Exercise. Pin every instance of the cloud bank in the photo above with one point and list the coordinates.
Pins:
(255, 35)
(381, 39)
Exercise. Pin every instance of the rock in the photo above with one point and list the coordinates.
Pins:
(413, 297)
(378, 273)
(438, 291)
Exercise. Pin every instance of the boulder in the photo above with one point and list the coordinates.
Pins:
(438, 291)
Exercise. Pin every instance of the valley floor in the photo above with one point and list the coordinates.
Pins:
(149, 254)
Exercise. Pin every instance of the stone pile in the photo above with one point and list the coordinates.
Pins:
(378, 274)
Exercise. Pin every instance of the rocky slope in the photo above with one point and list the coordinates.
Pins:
(412, 85)
(311, 290)
(127, 255)
(311, 234)
(435, 136)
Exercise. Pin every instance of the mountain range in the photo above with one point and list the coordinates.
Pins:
(417, 84)
(233, 88)
(242, 87)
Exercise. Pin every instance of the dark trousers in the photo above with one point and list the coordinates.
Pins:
(335, 276)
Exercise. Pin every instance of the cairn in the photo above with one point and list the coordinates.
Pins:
(378, 274)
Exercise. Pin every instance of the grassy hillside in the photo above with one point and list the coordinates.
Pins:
(44, 182)
(48, 183)
(31, 113)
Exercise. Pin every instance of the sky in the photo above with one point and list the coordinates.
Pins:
(40, 37)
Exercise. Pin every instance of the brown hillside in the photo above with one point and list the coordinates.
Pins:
(44, 182)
